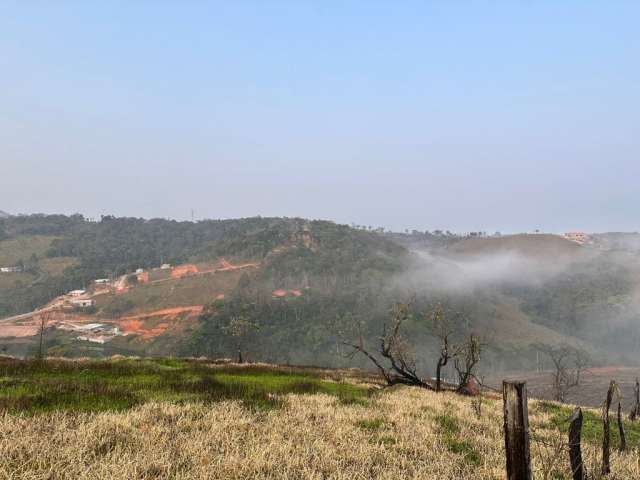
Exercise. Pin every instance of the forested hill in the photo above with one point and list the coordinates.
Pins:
(58, 253)
(292, 284)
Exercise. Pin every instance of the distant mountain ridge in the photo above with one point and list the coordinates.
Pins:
(4, 214)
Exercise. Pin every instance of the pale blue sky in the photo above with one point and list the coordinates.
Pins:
(458, 115)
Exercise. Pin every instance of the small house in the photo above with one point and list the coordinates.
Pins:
(83, 302)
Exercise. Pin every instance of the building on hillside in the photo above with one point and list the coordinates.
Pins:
(139, 271)
(10, 269)
(101, 281)
(578, 237)
(77, 293)
(165, 266)
(83, 302)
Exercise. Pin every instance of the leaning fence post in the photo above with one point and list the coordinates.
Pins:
(606, 467)
(516, 430)
(575, 452)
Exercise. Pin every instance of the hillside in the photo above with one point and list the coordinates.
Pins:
(193, 420)
(294, 284)
(532, 245)
(279, 269)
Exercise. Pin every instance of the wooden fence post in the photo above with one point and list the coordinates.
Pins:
(516, 430)
(623, 438)
(606, 437)
(635, 412)
(575, 452)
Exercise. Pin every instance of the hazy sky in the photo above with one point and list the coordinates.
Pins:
(504, 116)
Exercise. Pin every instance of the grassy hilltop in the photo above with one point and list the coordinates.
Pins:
(166, 419)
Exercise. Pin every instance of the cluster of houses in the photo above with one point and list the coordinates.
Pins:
(92, 332)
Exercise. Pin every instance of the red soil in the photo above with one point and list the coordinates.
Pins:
(135, 324)
(18, 331)
(143, 277)
(184, 270)
(226, 266)
(280, 293)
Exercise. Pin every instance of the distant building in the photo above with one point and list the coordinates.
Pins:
(139, 271)
(578, 237)
(165, 266)
(77, 293)
(83, 302)
(101, 281)
(10, 269)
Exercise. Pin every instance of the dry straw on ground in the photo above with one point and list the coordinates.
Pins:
(404, 433)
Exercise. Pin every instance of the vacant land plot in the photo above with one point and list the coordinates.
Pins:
(171, 419)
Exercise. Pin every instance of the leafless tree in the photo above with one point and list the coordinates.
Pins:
(394, 357)
(466, 361)
(239, 328)
(444, 330)
(568, 365)
(44, 320)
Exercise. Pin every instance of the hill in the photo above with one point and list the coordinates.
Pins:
(125, 419)
(294, 276)
(531, 245)
(294, 284)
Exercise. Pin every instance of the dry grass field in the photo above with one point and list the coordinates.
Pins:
(400, 433)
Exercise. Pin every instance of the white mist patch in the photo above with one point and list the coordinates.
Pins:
(463, 272)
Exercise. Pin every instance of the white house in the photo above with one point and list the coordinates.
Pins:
(10, 269)
(101, 281)
(83, 302)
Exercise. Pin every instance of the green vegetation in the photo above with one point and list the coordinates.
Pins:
(592, 428)
(371, 424)
(118, 307)
(448, 426)
(33, 386)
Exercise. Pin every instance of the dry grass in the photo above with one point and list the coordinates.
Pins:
(402, 433)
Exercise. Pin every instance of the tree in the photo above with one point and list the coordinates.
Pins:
(239, 329)
(465, 363)
(394, 358)
(568, 364)
(44, 320)
(443, 330)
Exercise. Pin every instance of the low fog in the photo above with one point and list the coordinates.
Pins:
(589, 297)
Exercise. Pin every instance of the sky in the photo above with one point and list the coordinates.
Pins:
(493, 116)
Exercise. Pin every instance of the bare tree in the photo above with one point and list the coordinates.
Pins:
(44, 320)
(239, 328)
(466, 361)
(394, 357)
(444, 331)
(568, 364)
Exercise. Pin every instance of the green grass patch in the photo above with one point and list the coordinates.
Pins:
(370, 424)
(592, 427)
(33, 386)
(449, 427)
(385, 440)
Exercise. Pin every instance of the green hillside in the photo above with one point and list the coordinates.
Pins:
(305, 280)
